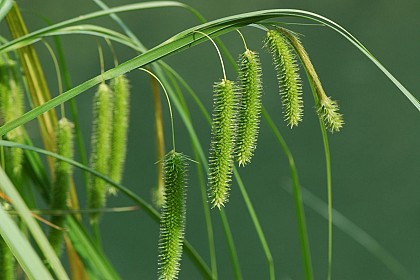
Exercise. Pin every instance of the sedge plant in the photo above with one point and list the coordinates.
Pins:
(31, 176)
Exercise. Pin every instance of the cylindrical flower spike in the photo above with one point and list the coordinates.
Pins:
(172, 221)
(63, 172)
(121, 96)
(288, 76)
(101, 145)
(12, 107)
(328, 111)
(249, 107)
(222, 143)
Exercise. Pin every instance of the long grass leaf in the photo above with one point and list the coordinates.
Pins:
(28, 259)
(5, 6)
(33, 226)
(303, 232)
(181, 42)
(94, 261)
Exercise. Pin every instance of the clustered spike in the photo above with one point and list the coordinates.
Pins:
(109, 139)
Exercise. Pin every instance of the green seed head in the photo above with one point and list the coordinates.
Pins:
(288, 76)
(101, 146)
(121, 96)
(328, 111)
(222, 143)
(63, 172)
(11, 107)
(172, 222)
(249, 107)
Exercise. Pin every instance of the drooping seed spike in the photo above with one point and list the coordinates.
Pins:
(249, 106)
(12, 107)
(172, 222)
(288, 76)
(121, 100)
(101, 146)
(328, 111)
(222, 142)
(63, 171)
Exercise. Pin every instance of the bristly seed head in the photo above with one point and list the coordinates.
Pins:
(172, 222)
(249, 106)
(101, 145)
(63, 171)
(288, 76)
(223, 141)
(328, 111)
(121, 108)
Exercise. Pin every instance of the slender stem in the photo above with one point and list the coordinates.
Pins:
(243, 38)
(169, 104)
(257, 225)
(112, 49)
(329, 185)
(207, 217)
(329, 194)
(231, 245)
(160, 139)
(101, 58)
(218, 52)
(303, 233)
(57, 71)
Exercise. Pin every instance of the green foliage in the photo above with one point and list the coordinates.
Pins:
(234, 133)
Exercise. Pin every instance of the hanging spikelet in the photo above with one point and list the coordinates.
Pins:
(11, 107)
(222, 143)
(63, 171)
(249, 107)
(121, 96)
(287, 75)
(101, 145)
(327, 109)
(172, 222)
